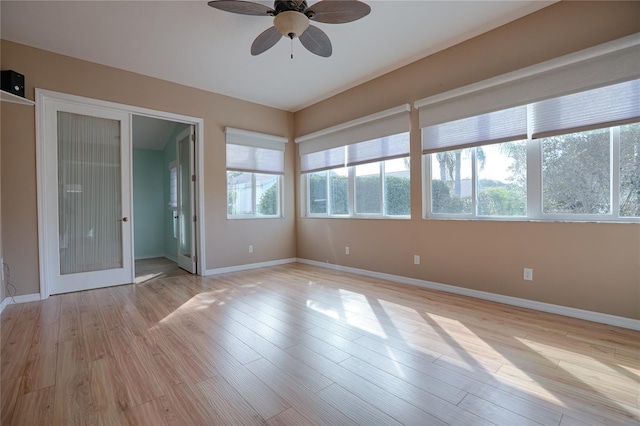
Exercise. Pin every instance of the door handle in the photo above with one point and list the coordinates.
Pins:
(124, 219)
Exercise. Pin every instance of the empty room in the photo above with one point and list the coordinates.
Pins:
(333, 212)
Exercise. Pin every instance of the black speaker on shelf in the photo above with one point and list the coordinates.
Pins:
(12, 82)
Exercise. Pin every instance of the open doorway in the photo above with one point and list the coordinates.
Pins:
(163, 198)
(106, 250)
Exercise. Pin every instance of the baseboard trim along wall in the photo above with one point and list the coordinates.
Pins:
(149, 256)
(623, 322)
(19, 299)
(248, 266)
(617, 321)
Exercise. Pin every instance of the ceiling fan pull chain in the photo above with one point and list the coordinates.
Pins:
(292, 48)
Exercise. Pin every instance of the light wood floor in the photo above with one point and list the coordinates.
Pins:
(297, 344)
(156, 268)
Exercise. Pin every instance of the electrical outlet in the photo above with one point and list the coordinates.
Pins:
(528, 274)
(416, 259)
(346, 250)
(250, 249)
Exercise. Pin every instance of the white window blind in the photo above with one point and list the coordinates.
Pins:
(254, 152)
(599, 66)
(603, 107)
(494, 127)
(323, 160)
(386, 148)
(371, 138)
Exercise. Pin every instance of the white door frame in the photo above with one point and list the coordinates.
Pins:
(42, 95)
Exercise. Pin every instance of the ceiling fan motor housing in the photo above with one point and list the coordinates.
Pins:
(285, 5)
(291, 23)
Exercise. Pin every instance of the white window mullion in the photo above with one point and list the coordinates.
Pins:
(615, 171)
(254, 209)
(474, 183)
(426, 188)
(383, 204)
(328, 191)
(534, 179)
(351, 191)
(278, 197)
(534, 171)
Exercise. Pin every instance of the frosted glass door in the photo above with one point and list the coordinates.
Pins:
(87, 201)
(89, 193)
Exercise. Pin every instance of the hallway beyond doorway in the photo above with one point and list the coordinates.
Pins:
(156, 268)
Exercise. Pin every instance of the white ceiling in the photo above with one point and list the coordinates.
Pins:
(151, 133)
(190, 43)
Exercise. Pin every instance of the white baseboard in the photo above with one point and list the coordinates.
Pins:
(250, 266)
(617, 321)
(149, 256)
(623, 322)
(8, 300)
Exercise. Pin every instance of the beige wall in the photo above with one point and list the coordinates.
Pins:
(226, 240)
(19, 215)
(582, 265)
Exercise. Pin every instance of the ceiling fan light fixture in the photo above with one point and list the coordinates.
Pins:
(291, 23)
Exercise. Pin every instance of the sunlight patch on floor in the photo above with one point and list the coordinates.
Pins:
(320, 308)
(349, 318)
(144, 278)
(196, 303)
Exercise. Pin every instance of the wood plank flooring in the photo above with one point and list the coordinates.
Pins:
(296, 344)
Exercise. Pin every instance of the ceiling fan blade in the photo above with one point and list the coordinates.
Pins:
(265, 41)
(316, 41)
(242, 7)
(338, 11)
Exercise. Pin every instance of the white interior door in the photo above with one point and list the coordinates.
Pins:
(87, 186)
(186, 196)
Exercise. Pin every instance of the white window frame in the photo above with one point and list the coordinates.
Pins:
(599, 66)
(254, 201)
(335, 143)
(352, 214)
(262, 143)
(534, 190)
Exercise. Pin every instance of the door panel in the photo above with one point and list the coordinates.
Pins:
(186, 226)
(89, 148)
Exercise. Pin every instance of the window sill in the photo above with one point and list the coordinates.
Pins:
(535, 220)
(357, 217)
(254, 217)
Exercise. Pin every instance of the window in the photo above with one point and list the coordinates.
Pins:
(499, 181)
(379, 189)
(173, 196)
(581, 161)
(576, 173)
(173, 186)
(359, 169)
(253, 194)
(629, 197)
(255, 165)
(554, 141)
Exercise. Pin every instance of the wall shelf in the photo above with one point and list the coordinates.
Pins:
(10, 97)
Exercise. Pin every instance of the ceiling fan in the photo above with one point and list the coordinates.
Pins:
(291, 19)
